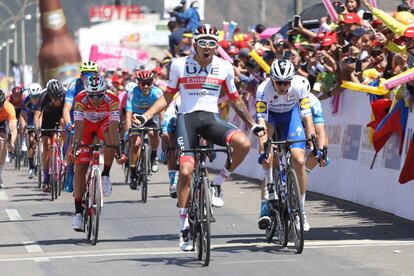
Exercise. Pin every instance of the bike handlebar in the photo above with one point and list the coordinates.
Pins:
(269, 142)
(207, 149)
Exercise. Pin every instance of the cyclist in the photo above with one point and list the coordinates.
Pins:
(199, 78)
(96, 113)
(29, 106)
(16, 98)
(142, 97)
(47, 114)
(169, 119)
(318, 121)
(280, 104)
(7, 114)
(75, 87)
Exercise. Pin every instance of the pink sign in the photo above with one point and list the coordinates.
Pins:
(269, 32)
(110, 56)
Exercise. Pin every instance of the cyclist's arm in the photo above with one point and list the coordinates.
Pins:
(38, 119)
(240, 107)
(23, 118)
(114, 119)
(159, 105)
(66, 112)
(262, 139)
(79, 117)
(13, 131)
(128, 122)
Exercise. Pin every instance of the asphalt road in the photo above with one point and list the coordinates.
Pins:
(345, 239)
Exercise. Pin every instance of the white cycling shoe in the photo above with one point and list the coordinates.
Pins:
(77, 221)
(217, 196)
(106, 186)
(185, 243)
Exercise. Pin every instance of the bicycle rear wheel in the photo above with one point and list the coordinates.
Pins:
(145, 167)
(17, 153)
(96, 205)
(38, 166)
(270, 231)
(295, 213)
(281, 216)
(87, 209)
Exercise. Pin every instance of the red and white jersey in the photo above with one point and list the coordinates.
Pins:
(85, 110)
(200, 87)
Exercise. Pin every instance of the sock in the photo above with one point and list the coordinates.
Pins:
(308, 170)
(70, 169)
(183, 214)
(268, 176)
(78, 205)
(133, 171)
(219, 179)
(302, 201)
(31, 163)
(153, 154)
(106, 170)
(172, 175)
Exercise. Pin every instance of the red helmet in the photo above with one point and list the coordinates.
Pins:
(145, 76)
(17, 90)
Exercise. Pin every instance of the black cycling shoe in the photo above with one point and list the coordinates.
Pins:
(133, 184)
(264, 222)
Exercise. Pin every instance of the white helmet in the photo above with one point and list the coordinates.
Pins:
(206, 31)
(301, 83)
(282, 70)
(35, 89)
(94, 83)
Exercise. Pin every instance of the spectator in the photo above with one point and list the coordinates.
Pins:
(190, 16)
(174, 38)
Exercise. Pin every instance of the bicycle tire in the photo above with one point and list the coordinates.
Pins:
(38, 166)
(281, 215)
(86, 211)
(271, 230)
(52, 180)
(205, 225)
(295, 214)
(96, 210)
(17, 153)
(126, 172)
(145, 172)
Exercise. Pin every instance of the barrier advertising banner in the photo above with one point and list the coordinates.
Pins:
(111, 57)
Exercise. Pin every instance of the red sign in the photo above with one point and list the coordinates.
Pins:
(112, 12)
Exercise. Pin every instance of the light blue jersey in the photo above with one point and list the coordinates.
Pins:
(138, 103)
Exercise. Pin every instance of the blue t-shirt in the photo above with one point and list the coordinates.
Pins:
(139, 103)
(74, 88)
(29, 108)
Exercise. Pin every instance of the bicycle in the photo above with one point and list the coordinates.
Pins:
(199, 212)
(286, 214)
(56, 164)
(143, 165)
(93, 197)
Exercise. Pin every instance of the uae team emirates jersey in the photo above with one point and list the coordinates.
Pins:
(85, 110)
(200, 87)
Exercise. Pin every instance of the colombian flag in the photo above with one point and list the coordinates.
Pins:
(407, 172)
(395, 121)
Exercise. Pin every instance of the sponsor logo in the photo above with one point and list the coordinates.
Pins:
(305, 103)
(261, 107)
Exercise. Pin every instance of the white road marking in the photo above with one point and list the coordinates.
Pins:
(32, 247)
(256, 261)
(13, 214)
(44, 256)
(3, 195)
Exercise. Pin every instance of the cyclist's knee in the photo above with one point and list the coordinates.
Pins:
(240, 142)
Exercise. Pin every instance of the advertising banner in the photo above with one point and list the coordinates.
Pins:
(111, 57)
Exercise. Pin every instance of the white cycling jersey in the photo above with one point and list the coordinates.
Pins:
(267, 99)
(200, 87)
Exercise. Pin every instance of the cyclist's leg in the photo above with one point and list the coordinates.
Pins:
(172, 164)
(46, 141)
(104, 133)
(186, 137)
(134, 154)
(3, 148)
(154, 143)
(70, 164)
(79, 187)
(31, 137)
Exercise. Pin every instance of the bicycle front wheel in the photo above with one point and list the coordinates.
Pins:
(145, 162)
(205, 222)
(295, 211)
(96, 205)
(17, 153)
(38, 166)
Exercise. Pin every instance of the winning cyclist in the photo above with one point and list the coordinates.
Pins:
(279, 106)
(142, 97)
(29, 106)
(7, 114)
(199, 78)
(96, 113)
(47, 114)
(76, 86)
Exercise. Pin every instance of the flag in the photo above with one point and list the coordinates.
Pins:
(407, 172)
(395, 121)
(380, 109)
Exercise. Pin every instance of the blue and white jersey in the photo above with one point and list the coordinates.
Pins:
(169, 117)
(74, 88)
(29, 108)
(139, 103)
(316, 107)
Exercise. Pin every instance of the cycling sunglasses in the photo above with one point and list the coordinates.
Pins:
(281, 83)
(145, 83)
(98, 96)
(204, 43)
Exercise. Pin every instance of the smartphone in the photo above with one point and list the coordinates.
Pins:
(339, 9)
(367, 16)
(358, 65)
(295, 21)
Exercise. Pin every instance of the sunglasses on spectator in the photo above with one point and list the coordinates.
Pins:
(282, 83)
(207, 43)
(98, 96)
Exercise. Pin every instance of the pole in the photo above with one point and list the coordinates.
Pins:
(7, 65)
(297, 8)
(15, 45)
(23, 38)
(38, 40)
(262, 6)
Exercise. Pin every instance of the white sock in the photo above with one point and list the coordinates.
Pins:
(219, 179)
(302, 201)
(183, 215)
(268, 176)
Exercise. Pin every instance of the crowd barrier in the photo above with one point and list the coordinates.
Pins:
(348, 175)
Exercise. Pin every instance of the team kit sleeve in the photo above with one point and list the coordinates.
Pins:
(304, 102)
(114, 115)
(79, 111)
(11, 112)
(70, 93)
(229, 85)
(261, 103)
(173, 81)
(128, 106)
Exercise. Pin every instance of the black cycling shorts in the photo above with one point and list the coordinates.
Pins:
(206, 124)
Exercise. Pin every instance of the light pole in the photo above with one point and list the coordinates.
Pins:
(9, 41)
(4, 45)
(14, 28)
(23, 37)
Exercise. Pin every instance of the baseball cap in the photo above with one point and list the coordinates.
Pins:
(350, 18)
(358, 32)
(409, 32)
(329, 39)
